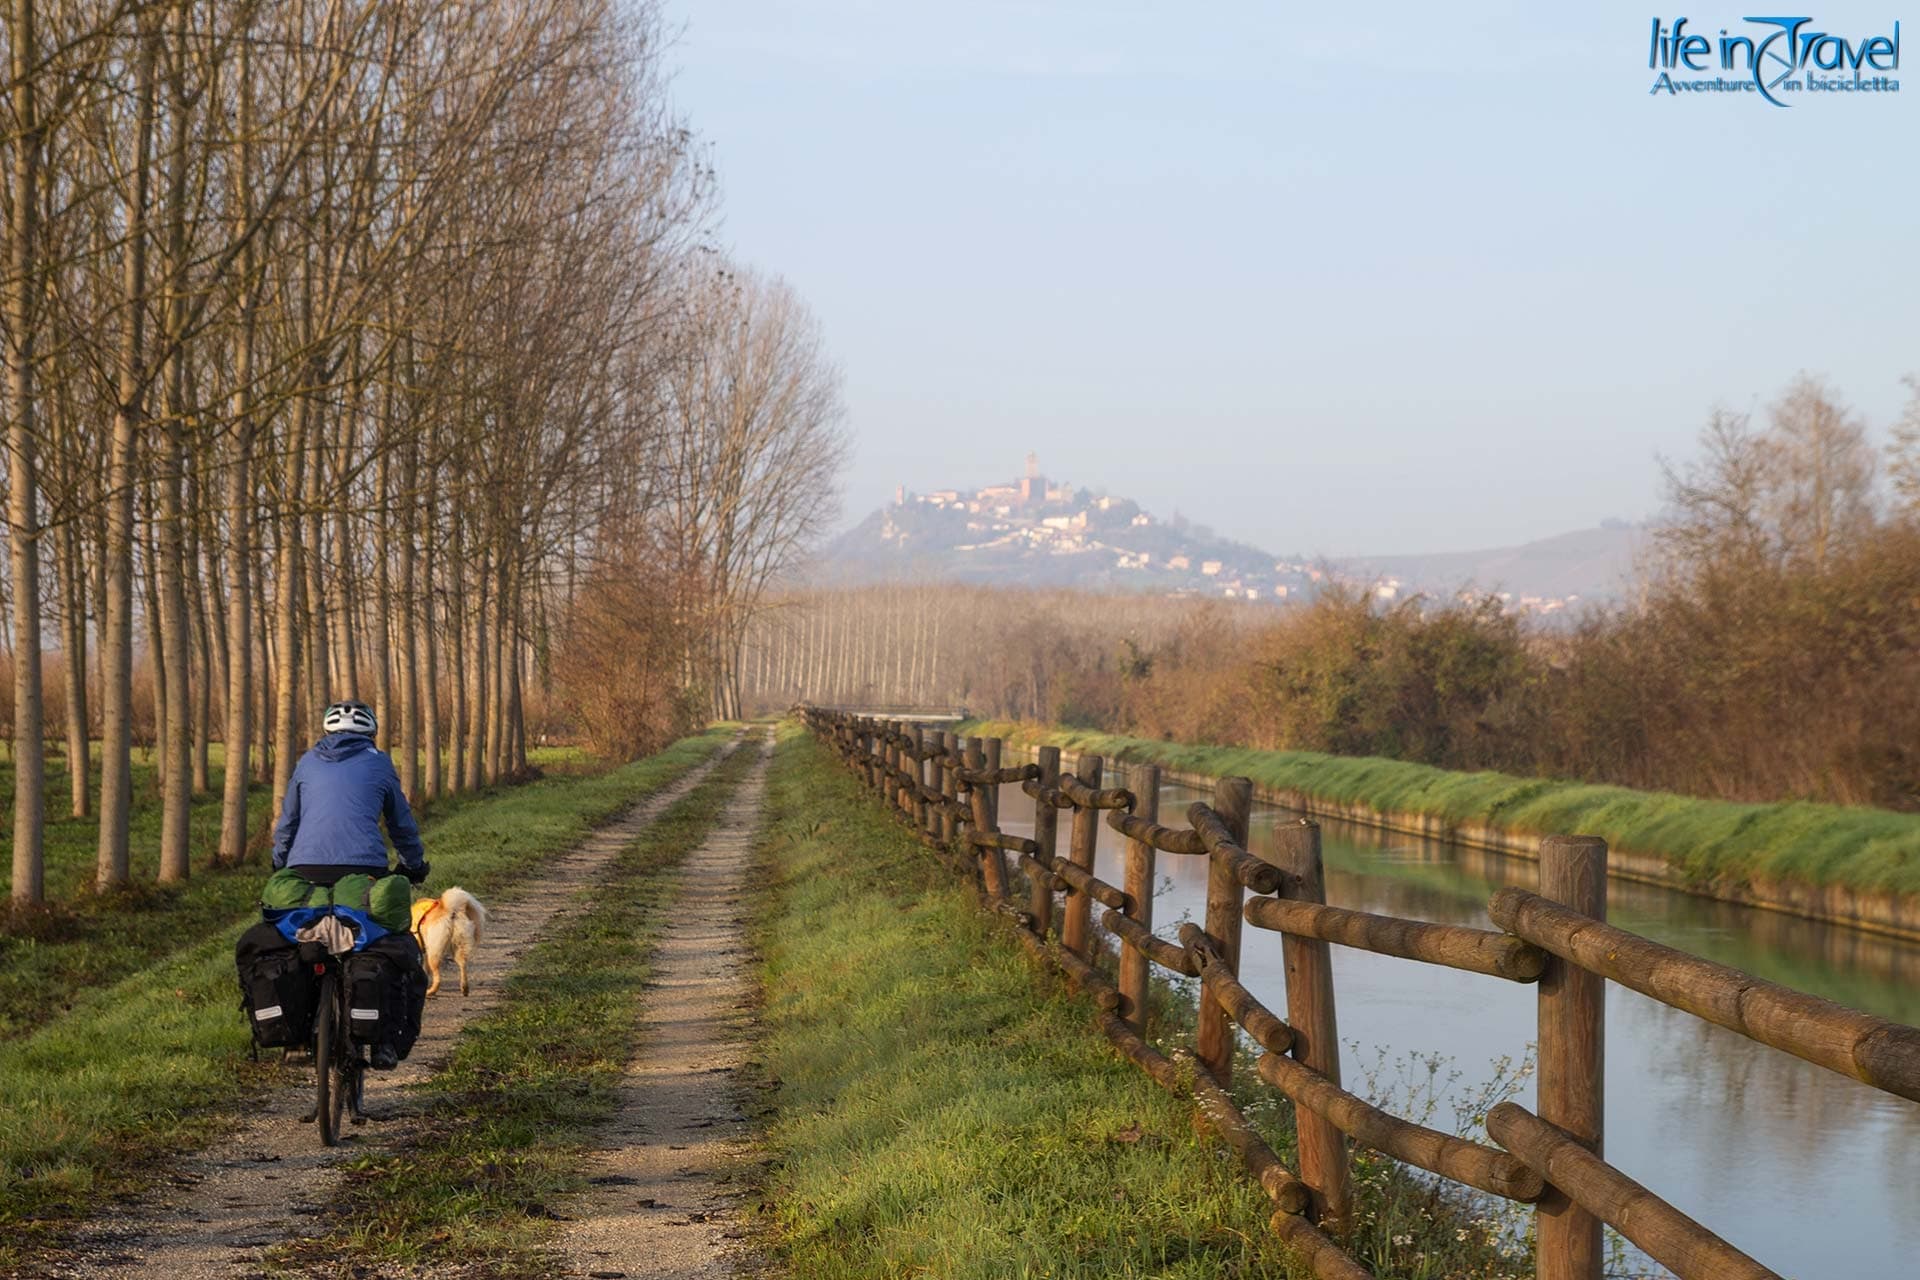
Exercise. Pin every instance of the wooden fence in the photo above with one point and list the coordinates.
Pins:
(946, 788)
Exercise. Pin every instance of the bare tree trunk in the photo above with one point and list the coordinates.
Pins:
(205, 575)
(96, 572)
(409, 613)
(382, 621)
(497, 677)
(150, 591)
(239, 731)
(286, 642)
(429, 606)
(516, 719)
(209, 601)
(73, 639)
(477, 677)
(265, 685)
(199, 680)
(168, 571)
(346, 664)
(72, 596)
(457, 631)
(238, 737)
(176, 784)
(314, 587)
(23, 520)
(116, 649)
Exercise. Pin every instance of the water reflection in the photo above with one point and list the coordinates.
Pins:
(1813, 1174)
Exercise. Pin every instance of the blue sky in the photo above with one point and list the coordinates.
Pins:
(1348, 280)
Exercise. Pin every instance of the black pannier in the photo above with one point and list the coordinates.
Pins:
(278, 988)
(386, 993)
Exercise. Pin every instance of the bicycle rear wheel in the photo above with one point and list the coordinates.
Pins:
(329, 1058)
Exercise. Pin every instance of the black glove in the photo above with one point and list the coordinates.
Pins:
(417, 875)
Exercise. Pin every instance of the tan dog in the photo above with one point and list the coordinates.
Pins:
(454, 919)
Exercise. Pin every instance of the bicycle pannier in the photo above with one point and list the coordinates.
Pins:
(386, 993)
(278, 990)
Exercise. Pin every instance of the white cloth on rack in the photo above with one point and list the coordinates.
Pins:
(331, 932)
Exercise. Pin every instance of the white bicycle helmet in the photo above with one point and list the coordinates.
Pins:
(350, 717)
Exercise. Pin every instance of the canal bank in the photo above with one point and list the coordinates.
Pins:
(1807, 1170)
(1854, 867)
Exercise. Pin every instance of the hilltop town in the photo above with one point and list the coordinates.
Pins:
(1040, 531)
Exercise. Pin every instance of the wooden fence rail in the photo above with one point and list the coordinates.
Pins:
(947, 788)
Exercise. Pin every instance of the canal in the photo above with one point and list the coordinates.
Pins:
(1811, 1173)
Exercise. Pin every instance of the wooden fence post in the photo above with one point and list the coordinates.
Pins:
(949, 788)
(903, 801)
(889, 761)
(992, 789)
(1324, 1165)
(1078, 921)
(1213, 1040)
(1144, 781)
(1046, 834)
(917, 766)
(930, 779)
(896, 790)
(1573, 871)
(992, 862)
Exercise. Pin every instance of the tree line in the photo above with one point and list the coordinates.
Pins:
(1768, 646)
(349, 344)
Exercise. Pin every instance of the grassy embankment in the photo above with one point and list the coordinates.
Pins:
(510, 1114)
(941, 1112)
(153, 1062)
(1706, 841)
(80, 939)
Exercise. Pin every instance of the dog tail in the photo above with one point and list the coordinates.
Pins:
(469, 917)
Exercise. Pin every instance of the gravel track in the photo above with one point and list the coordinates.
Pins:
(665, 1190)
(215, 1212)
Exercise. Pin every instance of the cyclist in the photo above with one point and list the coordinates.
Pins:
(340, 794)
(336, 800)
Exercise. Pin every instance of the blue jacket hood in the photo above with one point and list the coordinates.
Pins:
(342, 746)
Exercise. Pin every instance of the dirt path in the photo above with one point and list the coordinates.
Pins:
(267, 1182)
(665, 1202)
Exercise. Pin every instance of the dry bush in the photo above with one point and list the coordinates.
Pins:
(620, 664)
(1344, 674)
(1767, 682)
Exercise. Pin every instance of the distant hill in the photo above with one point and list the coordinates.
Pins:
(1041, 533)
(1588, 564)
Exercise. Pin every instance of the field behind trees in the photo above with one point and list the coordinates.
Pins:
(1770, 649)
(372, 350)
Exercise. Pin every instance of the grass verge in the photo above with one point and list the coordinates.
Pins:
(942, 1113)
(1708, 841)
(154, 1062)
(528, 1083)
(81, 939)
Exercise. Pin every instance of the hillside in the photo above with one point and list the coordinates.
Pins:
(1036, 532)
(1587, 564)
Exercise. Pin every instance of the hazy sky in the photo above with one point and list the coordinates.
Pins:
(1335, 279)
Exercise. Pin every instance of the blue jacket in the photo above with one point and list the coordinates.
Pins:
(338, 795)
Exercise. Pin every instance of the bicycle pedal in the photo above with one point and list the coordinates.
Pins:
(311, 1116)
